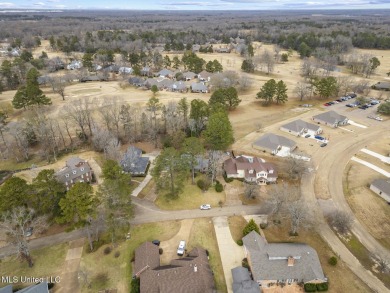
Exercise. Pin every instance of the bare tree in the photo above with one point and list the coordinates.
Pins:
(279, 195)
(295, 168)
(251, 191)
(15, 224)
(302, 90)
(80, 111)
(299, 215)
(214, 164)
(341, 220)
(259, 126)
(267, 59)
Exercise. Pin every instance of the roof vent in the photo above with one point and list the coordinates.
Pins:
(290, 261)
(195, 268)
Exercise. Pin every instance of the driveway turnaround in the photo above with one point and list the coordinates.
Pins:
(231, 253)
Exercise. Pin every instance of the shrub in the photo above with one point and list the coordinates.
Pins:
(227, 180)
(107, 250)
(218, 187)
(135, 286)
(200, 184)
(251, 226)
(310, 287)
(239, 242)
(245, 263)
(160, 251)
(332, 261)
(117, 254)
(322, 287)
(132, 259)
(293, 233)
(263, 225)
(207, 252)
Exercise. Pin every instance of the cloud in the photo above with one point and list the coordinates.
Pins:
(192, 4)
(53, 1)
(6, 4)
(39, 4)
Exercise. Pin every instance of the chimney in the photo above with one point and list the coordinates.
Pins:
(195, 268)
(290, 261)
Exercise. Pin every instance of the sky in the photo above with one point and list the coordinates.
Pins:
(195, 4)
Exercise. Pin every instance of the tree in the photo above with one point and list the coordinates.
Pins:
(248, 66)
(284, 57)
(15, 222)
(33, 92)
(341, 220)
(251, 226)
(251, 191)
(214, 66)
(298, 214)
(170, 172)
(153, 106)
(167, 61)
(279, 196)
(268, 60)
(20, 99)
(116, 194)
(198, 115)
(281, 92)
(47, 193)
(176, 62)
(267, 91)
(219, 132)
(183, 109)
(13, 193)
(325, 87)
(384, 108)
(87, 61)
(193, 148)
(302, 90)
(304, 50)
(295, 168)
(227, 97)
(79, 207)
(374, 64)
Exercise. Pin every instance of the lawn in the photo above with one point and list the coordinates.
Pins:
(203, 235)
(108, 271)
(191, 198)
(341, 279)
(148, 188)
(48, 262)
(237, 225)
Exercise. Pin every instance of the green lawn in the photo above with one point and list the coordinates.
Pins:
(48, 261)
(118, 269)
(203, 235)
(191, 198)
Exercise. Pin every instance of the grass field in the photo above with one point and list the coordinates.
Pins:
(203, 235)
(237, 225)
(118, 270)
(191, 198)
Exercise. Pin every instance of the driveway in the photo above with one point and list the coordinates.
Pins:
(148, 177)
(376, 155)
(371, 166)
(231, 253)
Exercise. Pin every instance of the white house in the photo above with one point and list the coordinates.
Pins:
(301, 128)
(382, 188)
(75, 64)
(331, 118)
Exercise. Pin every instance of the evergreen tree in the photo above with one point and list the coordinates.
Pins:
(87, 61)
(193, 148)
(267, 91)
(34, 94)
(251, 226)
(13, 193)
(248, 66)
(219, 132)
(281, 92)
(227, 97)
(20, 99)
(325, 87)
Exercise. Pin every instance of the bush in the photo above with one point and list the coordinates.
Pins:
(200, 184)
(132, 258)
(227, 180)
(218, 187)
(251, 226)
(135, 286)
(239, 242)
(107, 250)
(245, 263)
(310, 287)
(160, 251)
(263, 225)
(322, 287)
(332, 261)
(293, 234)
(117, 254)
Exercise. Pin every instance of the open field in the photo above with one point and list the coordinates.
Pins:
(203, 235)
(341, 279)
(191, 198)
(237, 225)
(370, 209)
(118, 269)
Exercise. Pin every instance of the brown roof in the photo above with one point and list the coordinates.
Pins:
(242, 163)
(190, 274)
(146, 255)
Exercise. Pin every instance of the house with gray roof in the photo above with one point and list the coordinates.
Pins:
(126, 70)
(189, 75)
(133, 162)
(199, 87)
(273, 143)
(382, 188)
(38, 288)
(331, 118)
(136, 81)
(165, 73)
(204, 76)
(382, 86)
(75, 64)
(272, 263)
(301, 128)
(242, 281)
(189, 274)
(75, 170)
(178, 86)
(146, 71)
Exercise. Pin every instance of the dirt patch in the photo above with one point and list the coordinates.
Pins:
(293, 288)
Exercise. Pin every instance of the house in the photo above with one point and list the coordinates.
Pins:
(199, 87)
(281, 262)
(204, 76)
(93, 78)
(132, 162)
(242, 281)
(382, 85)
(331, 118)
(195, 48)
(125, 70)
(146, 71)
(38, 288)
(76, 170)
(165, 73)
(112, 68)
(75, 64)
(301, 128)
(178, 86)
(137, 81)
(251, 169)
(189, 75)
(223, 50)
(382, 188)
(189, 274)
(274, 144)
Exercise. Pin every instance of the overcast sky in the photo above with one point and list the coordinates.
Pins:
(196, 4)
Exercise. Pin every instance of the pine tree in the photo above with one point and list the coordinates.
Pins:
(219, 132)
(281, 92)
(34, 94)
(267, 91)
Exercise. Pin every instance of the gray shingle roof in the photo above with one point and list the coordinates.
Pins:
(242, 281)
(382, 184)
(198, 87)
(133, 162)
(165, 72)
(330, 117)
(269, 260)
(39, 288)
(299, 125)
(6, 289)
(272, 141)
(75, 167)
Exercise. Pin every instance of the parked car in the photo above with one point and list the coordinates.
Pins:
(349, 105)
(156, 242)
(330, 103)
(205, 207)
(307, 135)
(326, 104)
(319, 137)
(352, 95)
(181, 248)
(28, 232)
(339, 100)
(323, 145)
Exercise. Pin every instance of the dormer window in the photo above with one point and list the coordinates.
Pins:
(250, 171)
(66, 175)
(82, 169)
(74, 172)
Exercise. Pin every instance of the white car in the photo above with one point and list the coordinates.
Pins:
(181, 248)
(205, 207)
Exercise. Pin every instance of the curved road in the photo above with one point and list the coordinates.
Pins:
(327, 180)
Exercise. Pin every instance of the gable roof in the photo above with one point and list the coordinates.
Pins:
(242, 281)
(270, 261)
(73, 165)
(189, 74)
(179, 86)
(330, 117)
(232, 165)
(204, 74)
(38, 288)
(272, 141)
(165, 72)
(199, 87)
(146, 255)
(299, 125)
(382, 184)
(133, 162)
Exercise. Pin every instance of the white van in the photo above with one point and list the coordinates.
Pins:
(181, 248)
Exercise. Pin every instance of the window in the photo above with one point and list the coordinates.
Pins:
(82, 176)
(66, 175)
(82, 169)
(74, 172)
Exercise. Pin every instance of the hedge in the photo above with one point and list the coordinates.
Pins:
(309, 287)
(322, 287)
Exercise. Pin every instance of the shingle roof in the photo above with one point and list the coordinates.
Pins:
(242, 281)
(38, 288)
(382, 184)
(299, 125)
(133, 162)
(269, 260)
(232, 165)
(165, 72)
(6, 289)
(199, 87)
(146, 254)
(75, 167)
(330, 117)
(189, 74)
(272, 141)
